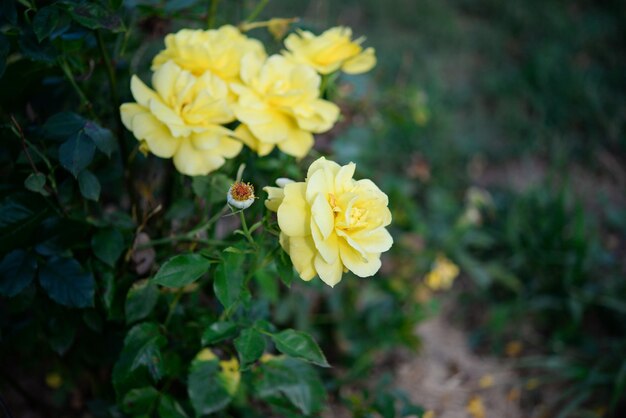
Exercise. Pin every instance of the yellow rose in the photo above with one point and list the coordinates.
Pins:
(330, 51)
(331, 223)
(278, 105)
(217, 50)
(181, 118)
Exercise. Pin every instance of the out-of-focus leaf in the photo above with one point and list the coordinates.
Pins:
(89, 185)
(250, 346)
(45, 21)
(293, 379)
(142, 349)
(36, 182)
(76, 153)
(300, 345)
(95, 16)
(206, 390)
(169, 408)
(229, 276)
(212, 188)
(182, 270)
(34, 50)
(141, 300)
(108, 245)
(61, 336)
(218, 331)
(63, 125)
(17, 270)
(66, 283)
(19, 216)
(138, 401)
(102, 137)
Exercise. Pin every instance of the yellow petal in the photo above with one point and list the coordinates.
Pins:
(128, 111)
(362, 63)
(142, 94)
(356, 263)
(378, 240)
(275, 196)
(297, 144)
(302, 253)
(343, 179)
(164, 80)
(293, 214)
(323, 216)
(330, 273)
(159, 139)
(193, 162)
(228, 147)
(328, 248)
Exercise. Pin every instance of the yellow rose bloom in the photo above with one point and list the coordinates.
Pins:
(216, 50)
(332, 50)
(278, 105)
(182, 118)
(331, 223)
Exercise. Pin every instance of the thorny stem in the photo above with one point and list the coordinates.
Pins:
(84, 100)
(212, 12)
(257, 10)
(25, 145)
(191, 235)
(118, 119)
(114, 96)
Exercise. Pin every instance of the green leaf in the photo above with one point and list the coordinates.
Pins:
(36, 182)
(284, 267)
(76, 153)
(250, 346)
(34, 50)
(229, 277)
(89, 185)
(20, 214)
(66, 283)
(293, 379)
(169, 408)
(108, 245)
(140, 300)
(17, 270)
(45, 21)
(218, 331)
(142, 350)
(95, 16)
(300, 345)
(206, 391)
(63, 125)
(102, 137)
(5, 47)
(182, 270)
(139, 401)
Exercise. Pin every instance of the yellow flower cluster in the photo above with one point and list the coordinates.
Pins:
(442, 274)
(206, 79)
(331, 223)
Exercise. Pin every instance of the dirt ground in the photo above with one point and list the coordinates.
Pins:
(448, 379)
